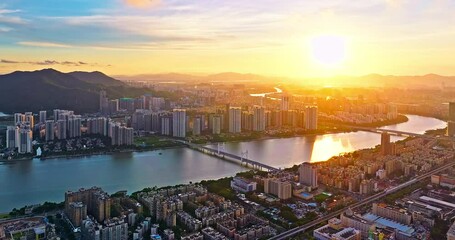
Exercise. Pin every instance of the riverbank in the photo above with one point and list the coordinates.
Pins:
(326, 128)
(38, 181)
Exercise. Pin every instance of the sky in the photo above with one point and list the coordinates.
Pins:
(275, 38)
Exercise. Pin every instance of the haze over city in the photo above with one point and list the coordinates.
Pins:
(227, 120)
(273, 38)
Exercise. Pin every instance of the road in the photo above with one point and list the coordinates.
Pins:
(294, 231)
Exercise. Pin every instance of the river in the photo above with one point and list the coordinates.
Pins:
(36, 181)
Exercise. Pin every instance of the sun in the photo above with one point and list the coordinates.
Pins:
(328, 50)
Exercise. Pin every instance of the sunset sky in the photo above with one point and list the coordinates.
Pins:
(291, 38)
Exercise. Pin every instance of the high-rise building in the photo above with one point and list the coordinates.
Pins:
(216, 124)
(279, 188)
(26, 118)
(120, 135)
(284, 102)
(97, 201)
(77, 212)
(11, 133)
(74, 126)
(24, 141)
(179, 123)
(235, 119)
(19, 118)
(166, 125)
(311, 118)
(155, 122)
(386, 146)
(104, 102)
(61, 129)
(451, 128)
(97, 126)
(138, 119)
(452, 111)
(56, 113)
(113, 106)
(308, 175)
(50, 132)
(197, 125)
(247, 121)
(259, 118)
(42, 116)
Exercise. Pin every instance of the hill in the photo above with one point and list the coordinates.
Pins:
(49, 89)
(96, 78)
(179, 77)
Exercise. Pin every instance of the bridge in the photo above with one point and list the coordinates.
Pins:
(221, 153)
(402, 133)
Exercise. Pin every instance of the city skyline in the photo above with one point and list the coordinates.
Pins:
(289, 39)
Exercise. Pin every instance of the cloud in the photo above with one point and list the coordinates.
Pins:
(8, 61)
(45, 44)
(6, 11)
(51, 62)
(142, 3)
(6, 18)
(5, 29)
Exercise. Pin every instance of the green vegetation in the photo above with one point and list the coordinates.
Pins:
(155, 142)
(17, 212)
(48, 207)
(440, 228)
(320, 198)
(390, 199)
(250, 174)
(399, 119)
(286, 213)
(220, 187)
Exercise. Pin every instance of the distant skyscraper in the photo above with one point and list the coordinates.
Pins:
(24, 141)
(120, 135)
(386, 146)
(216, 124)
(166, 125)
(284, 102)
(197, 125)
(308, 175)
(113, 106)
(311, 118)
(61, 129)
(452, 111)
(179, 123)
(56, 113)
(42, 116)
(97, 126)
(50, 130)
(451, 120)
(451, 128)
(18, 118)
(235, 119)
(74, 126)
(104, 102)
(11, 133)
(30, 119)
(258, 118)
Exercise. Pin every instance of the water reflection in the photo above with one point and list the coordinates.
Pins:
(327, 146)
(35, 181)
(287, 152)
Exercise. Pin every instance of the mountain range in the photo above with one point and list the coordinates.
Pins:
(49, 89)
(371, 80)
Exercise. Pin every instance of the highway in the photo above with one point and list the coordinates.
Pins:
(303, 228)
